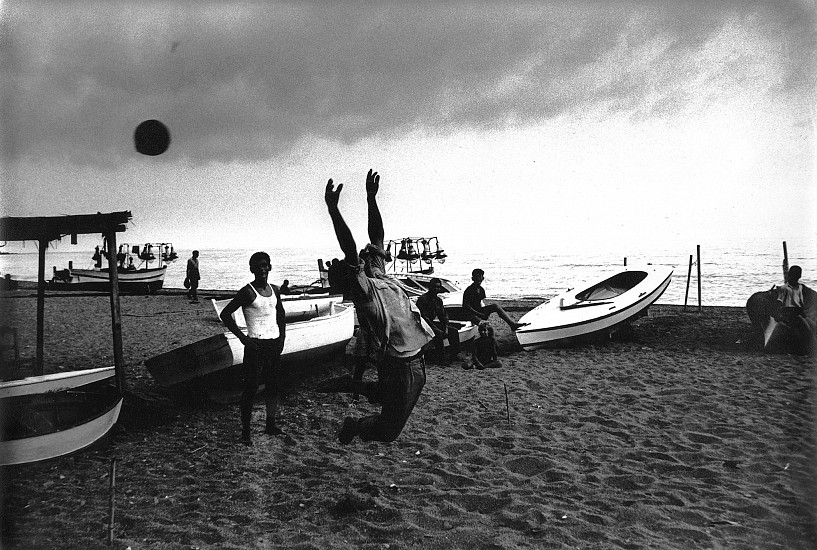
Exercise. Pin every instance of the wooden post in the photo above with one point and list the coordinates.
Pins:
(507, 405)
(625, 261)
(39, 359)
(116, 317)
(699, 278)
(689, 277)
(112, 501)
(785, 263)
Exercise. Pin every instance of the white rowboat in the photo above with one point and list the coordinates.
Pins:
(326, 333)
(53, 415)
(300, 307)
(594, 309)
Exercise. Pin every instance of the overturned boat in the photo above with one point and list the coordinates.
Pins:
(594, 309)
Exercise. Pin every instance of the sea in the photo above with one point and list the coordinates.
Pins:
(728, 274)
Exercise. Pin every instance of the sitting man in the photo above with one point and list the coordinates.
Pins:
(394, 329)
(472, 303)
(791, 310)
(431, 308)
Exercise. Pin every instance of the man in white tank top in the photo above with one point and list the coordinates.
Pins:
(263, 343)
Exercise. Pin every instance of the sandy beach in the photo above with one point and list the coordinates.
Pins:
(679, 437)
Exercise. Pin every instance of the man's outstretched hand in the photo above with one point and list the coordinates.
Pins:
(372, 183)
(332, 195)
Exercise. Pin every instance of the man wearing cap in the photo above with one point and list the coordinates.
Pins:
(396, 331)
(431, 308)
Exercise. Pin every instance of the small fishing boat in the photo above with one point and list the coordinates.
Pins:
(134, 277)
(210, 360)
(594, 309)
(410, 260)
(47, 416)
(774, 335)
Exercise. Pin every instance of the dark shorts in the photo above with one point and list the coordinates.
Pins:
(263, 366)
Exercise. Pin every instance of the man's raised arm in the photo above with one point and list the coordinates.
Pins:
(376, 232)
(342, 231)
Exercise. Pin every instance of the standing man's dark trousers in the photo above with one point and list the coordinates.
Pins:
(192, 292)
(261, 366)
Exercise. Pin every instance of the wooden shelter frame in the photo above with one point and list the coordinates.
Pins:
(45, 229)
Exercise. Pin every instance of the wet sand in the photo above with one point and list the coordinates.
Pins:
(680, 436)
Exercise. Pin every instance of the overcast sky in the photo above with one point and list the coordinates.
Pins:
(549, 125)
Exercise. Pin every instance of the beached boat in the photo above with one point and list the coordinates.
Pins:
(134, 277)
(47, 416)
(298, 307)
(594, 309)
(466, 330)
(140, 281)
(323, 335)
(772, 334)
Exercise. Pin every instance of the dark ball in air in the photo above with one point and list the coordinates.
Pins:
(151, 138)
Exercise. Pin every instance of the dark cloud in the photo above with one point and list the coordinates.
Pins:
(238, 82)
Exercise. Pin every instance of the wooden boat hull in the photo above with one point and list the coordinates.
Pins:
(773, 335)
(416, 285)
(594, 310)
(141, 281)
(305, 341)
(466, 330)
(67, 415)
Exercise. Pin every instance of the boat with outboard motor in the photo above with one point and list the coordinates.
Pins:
(594, 309)
(134, 277)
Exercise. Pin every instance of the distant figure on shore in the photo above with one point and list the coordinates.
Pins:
(263, 343)
(285, 287)
(431, 308)
(472, 299)
(484, 355)
(7, 283)
(97, 258)
(193, 277)
(396, 331)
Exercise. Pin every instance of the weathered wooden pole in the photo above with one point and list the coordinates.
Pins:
(689, 277)
(111, 501)
(785, 263)
(116, 316)
(39, 358)
(507, 405)
(699, 278)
